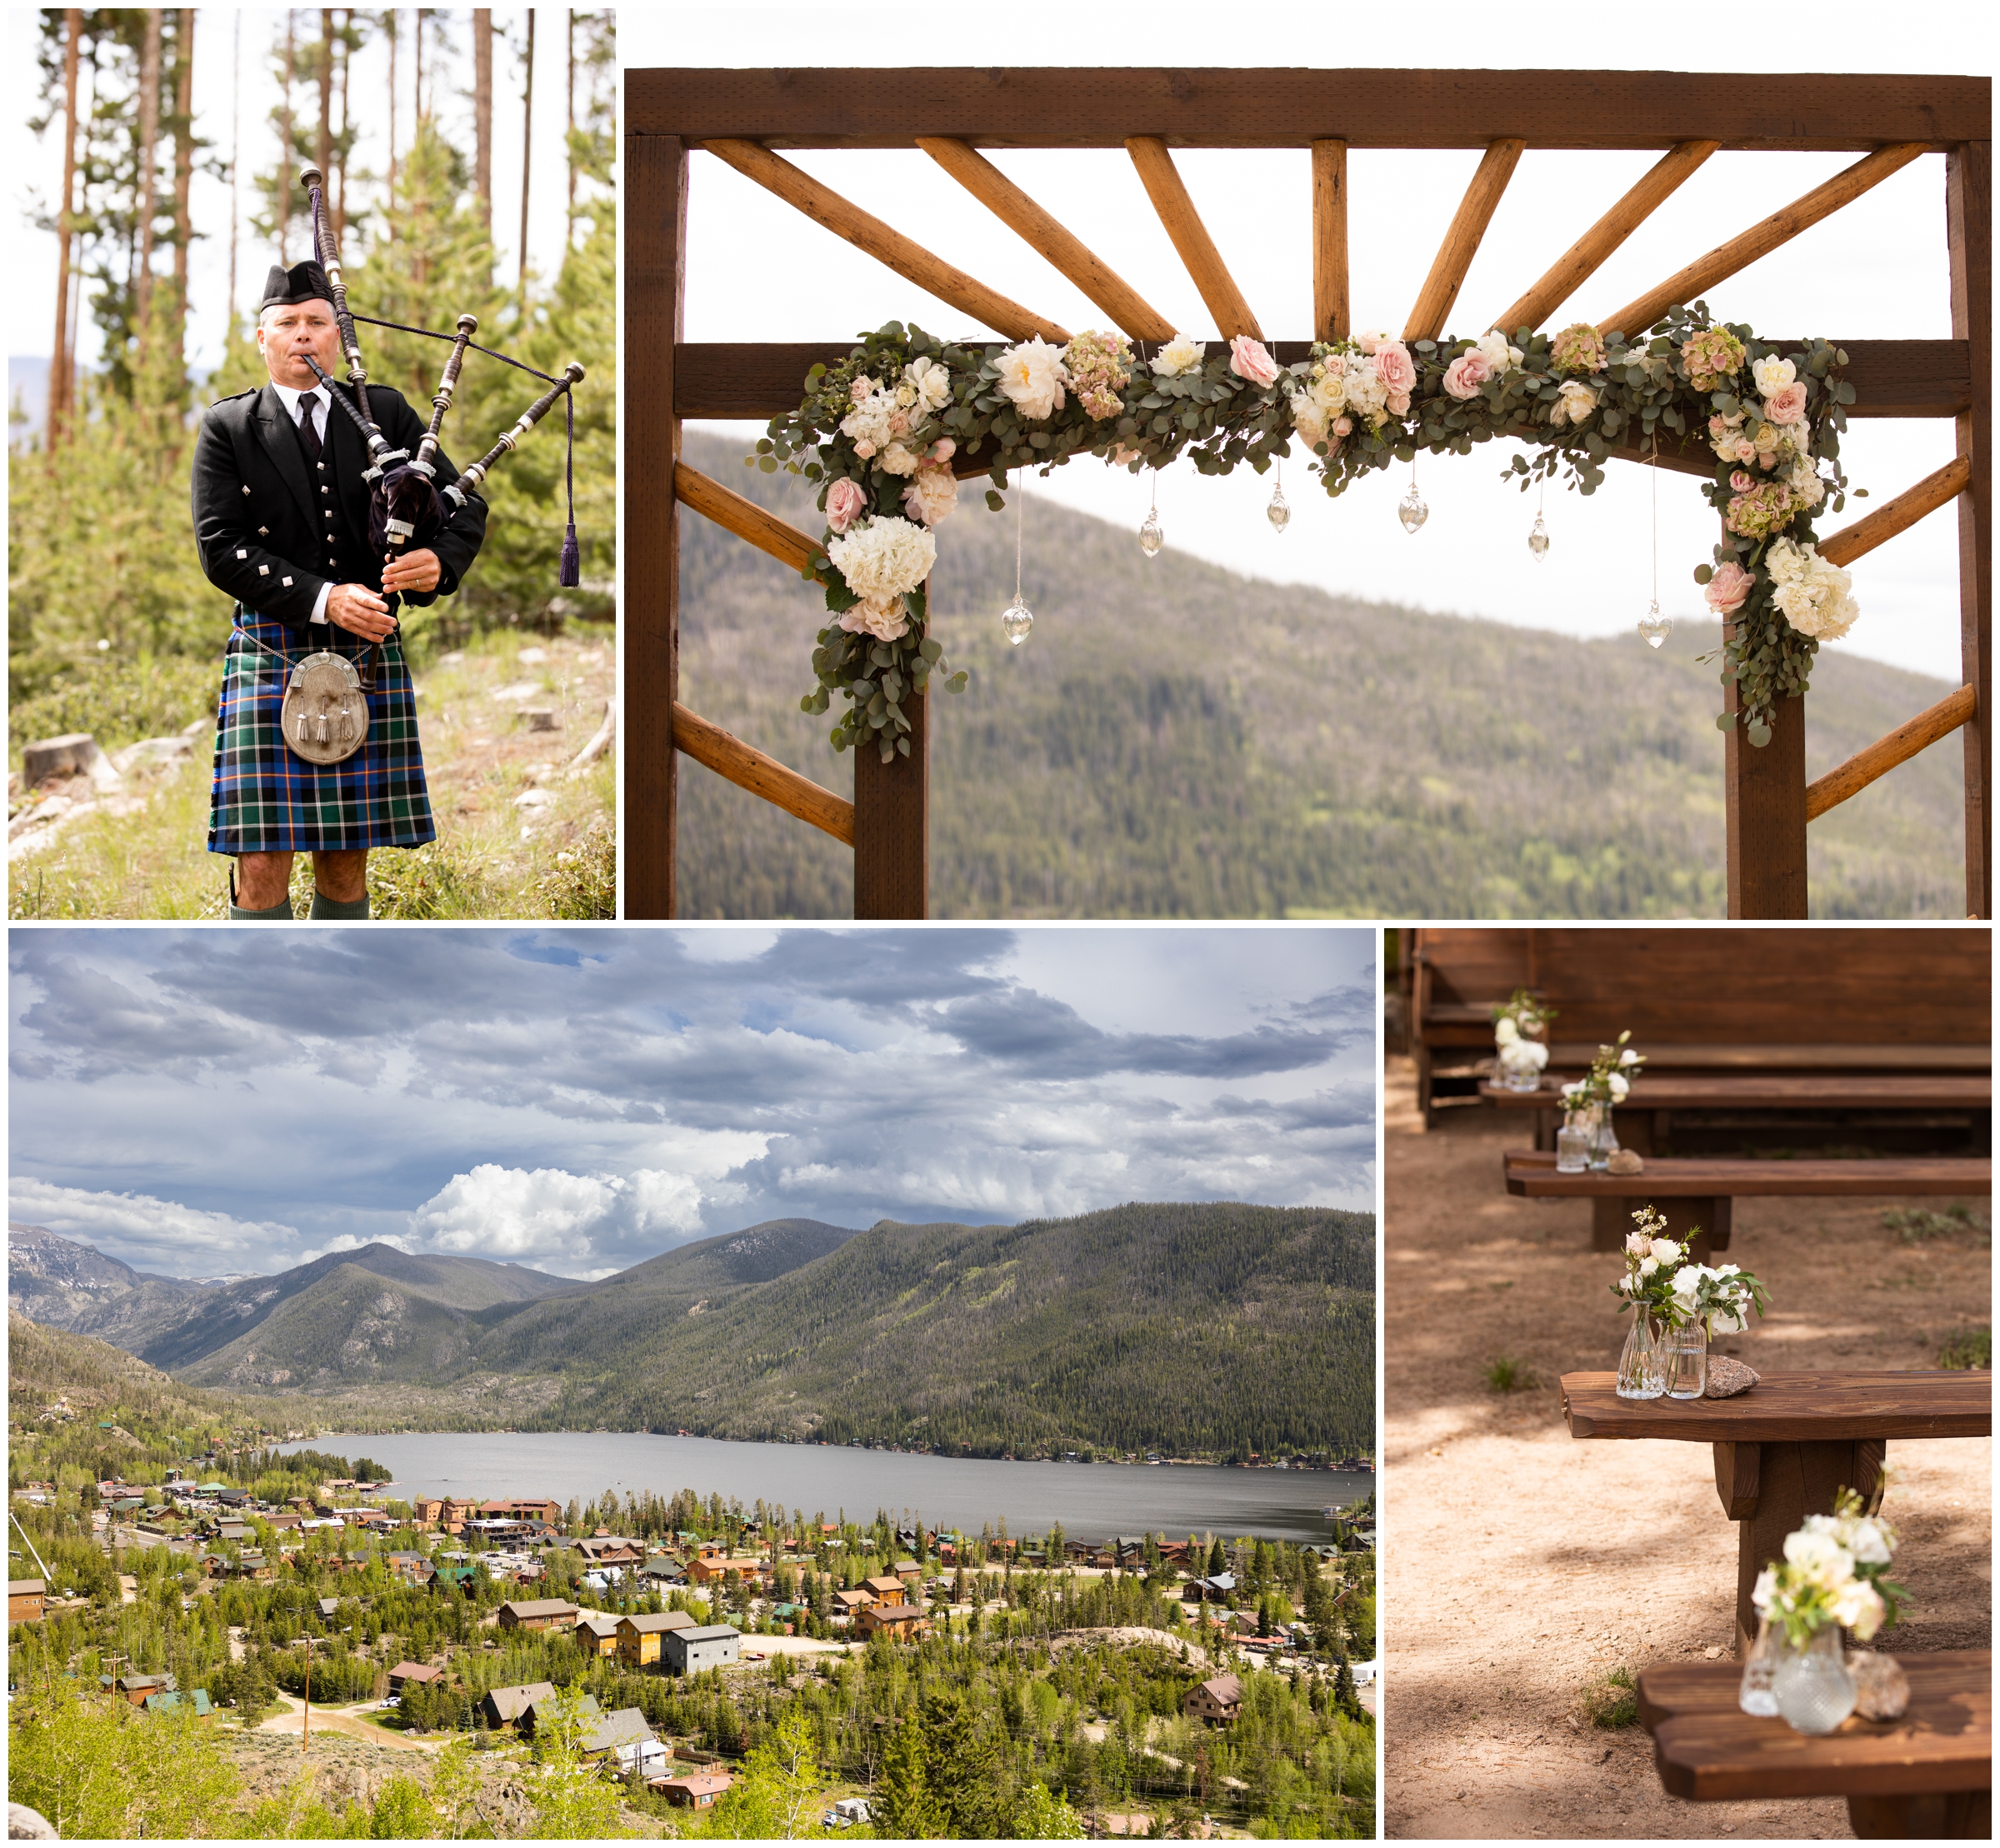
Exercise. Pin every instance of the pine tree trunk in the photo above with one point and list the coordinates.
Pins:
(285, 156)
(389, 20)
(58, 364)
(569, 154)
(423, 14)
(322, 147)
(482, 112)
(236, 147)
(183, 172)
(527, 132)
(340, 146)
(149, 141)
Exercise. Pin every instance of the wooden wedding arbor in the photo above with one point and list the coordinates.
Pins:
(741, 117)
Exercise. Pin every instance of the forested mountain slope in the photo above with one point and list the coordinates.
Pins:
(1174, 740)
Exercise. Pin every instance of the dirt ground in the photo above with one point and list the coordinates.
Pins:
(1521, 1566)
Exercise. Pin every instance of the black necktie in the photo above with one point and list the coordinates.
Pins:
(307, 434)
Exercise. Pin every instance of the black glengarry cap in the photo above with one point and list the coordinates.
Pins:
(305, 282)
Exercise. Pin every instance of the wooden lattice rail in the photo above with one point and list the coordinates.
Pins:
(744, 118)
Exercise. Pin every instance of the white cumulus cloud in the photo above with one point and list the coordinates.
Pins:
(151, 1234)
(549, 1214)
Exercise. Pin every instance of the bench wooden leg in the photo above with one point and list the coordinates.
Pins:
(1946, 1815)
(1770, 1495)
(1610, 1220)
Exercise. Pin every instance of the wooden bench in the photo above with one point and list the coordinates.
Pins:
(1858, 1102)
(1833, 1000)
(1929, 1774)
(1783, 1449)
(1697, 1193)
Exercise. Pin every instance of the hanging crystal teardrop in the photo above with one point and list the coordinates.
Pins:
(1279, 512)
(1151, 538)
(1537, 539)
(1412, 510)
(1016, 620)
(1654, 626)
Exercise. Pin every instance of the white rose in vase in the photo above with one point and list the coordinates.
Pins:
(1506, 1031)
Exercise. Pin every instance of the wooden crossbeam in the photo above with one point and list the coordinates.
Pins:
(1586, 255)
(1462, 240)
(746, 519)
(1762, 238)
(1332, 319)
(1899, 746)
(749, 768)
(1127, 308)
(1894, 516)
(845, 219)
(1183, 225)
(1891, 378)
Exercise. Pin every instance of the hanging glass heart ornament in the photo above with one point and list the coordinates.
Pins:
(1537, 539)
(1151, 538)
(1016, 620)
(1654, 626)
(1279, 512)
(1411, 509)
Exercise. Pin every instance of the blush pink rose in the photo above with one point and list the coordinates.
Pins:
(1343, 427)
(1395, 368)
(1788, 406)
(1746, 450)
(1247, 359)
(845, 504)
(1399, 404)
(1717, 426)
(1767, 458)
(943, 450)
(1727, 590)
(1466, 373)
(1741, 483)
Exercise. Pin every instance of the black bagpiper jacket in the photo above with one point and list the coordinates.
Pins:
(272, 528)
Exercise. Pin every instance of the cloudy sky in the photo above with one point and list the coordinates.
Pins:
(202, 1103)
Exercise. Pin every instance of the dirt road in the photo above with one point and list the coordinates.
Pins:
(1520, 1565)
(292, 1719)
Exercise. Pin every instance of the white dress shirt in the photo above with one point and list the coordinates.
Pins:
(322, 409)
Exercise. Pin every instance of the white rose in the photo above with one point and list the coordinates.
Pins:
(1375, 338)
(1868, 1544)
(1728, 1321)
(1498, 354)
(1687, 1281)
(1628, 1057)
(1033, 375)
(899, 459)
(1574, 402)
(1506, 1029)
(932, 496)
(932, 382)
(1760, 1593)
(1179, 355)
(1666, 1249)
(1773, 375)
(1820, 1557)
(1648, 1266)
(1619, 1089)
(1329, 392)
(1860, 1608)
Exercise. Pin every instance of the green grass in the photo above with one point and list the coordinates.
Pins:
(1611, 1701)
(1510, 1376)
(155, 863)
(1969, 1350)
(1914, 1225)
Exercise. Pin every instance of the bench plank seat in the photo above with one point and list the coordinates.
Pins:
(1773, 1091)
(1532, 1173)
(1929, 1773)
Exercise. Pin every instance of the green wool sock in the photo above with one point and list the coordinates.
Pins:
(239, 915)
(348, 909)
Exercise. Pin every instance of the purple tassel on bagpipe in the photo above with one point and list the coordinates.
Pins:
(571, 574)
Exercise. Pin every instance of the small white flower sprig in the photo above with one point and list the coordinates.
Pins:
(1609, 1080)
(1835, 1572)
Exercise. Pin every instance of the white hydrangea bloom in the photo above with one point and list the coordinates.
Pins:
(1816, 598)
(884, 558)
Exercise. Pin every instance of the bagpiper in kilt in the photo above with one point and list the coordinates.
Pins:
(281, 519)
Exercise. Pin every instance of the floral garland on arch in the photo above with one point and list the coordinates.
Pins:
(881, 432)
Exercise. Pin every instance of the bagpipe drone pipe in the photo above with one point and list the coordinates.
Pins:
(405, 509)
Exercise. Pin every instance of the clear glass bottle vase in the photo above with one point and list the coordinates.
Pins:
(1573, 1146)
(1684, 1359)
(1810, 1684)
(1754, 1693)
(1603, 1138)
(1639, 1375)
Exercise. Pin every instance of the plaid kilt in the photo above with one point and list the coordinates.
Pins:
(266, 799)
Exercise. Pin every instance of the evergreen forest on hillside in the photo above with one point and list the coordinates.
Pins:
(1353, 760)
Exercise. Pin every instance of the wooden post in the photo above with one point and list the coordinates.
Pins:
(1764, 804)
(1330, 317)
(656, 187)
(893, 824)
(1969, 226)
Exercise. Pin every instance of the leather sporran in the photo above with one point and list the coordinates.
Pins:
(325, 714)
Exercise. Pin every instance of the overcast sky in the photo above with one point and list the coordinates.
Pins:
(202, 1102)
(757, 270)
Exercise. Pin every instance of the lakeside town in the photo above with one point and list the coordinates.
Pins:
(304, 1596)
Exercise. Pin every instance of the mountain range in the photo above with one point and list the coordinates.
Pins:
(1176, 741)
(1214, 1328)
